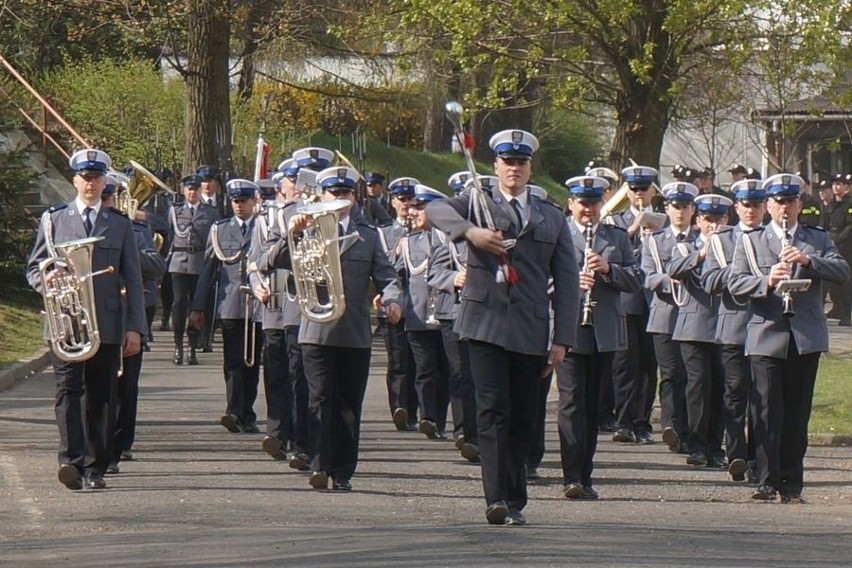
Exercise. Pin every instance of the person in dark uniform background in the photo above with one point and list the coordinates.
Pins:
(189, 227)
(784, 349)
(155, 213)
(86, 430)
(378, 208)
(840, 228)
(504, 314)
(225, 260)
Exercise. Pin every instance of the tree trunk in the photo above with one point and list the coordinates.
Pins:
(639, 136)
(208, 107)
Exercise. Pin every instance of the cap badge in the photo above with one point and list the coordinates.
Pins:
(517, 137)
(92, 155)
(341, 173)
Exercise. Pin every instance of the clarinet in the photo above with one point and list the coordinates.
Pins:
(786, 295)
(588, 304)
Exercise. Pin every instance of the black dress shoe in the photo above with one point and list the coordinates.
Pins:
(193, 358)
(515, 517)
(624, 435)
(112, 468)
(231, 423)
(764, 493)
(318, 480)
(573, 491)
(458, 441)
(589, 494)
(400, 418)
(644, 437)
(717, 462)
(272, 446)
(737, 469)
(532, 474)
(671, 439)
(410, 427)
(70, 477)
(178, 358)
(94, 481)
(146, 348)
(207, 349)
(429, 428)
(696, 458)
(341, 485)
(164, 325)
(470, 452)
(793, 499)
(300, 461)
(607, 425)
(127, 455)
(496, 513)
(251, 428)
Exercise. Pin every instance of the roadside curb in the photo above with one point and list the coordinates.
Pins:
(835, 440)
(24, 368)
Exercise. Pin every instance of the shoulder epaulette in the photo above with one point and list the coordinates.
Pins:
(551, 203)
(224, 221)
(760, 228)
(659, 231)
(364, 223)
(622, 229)
(291, 204)
(724, 228)
(140, 224)
(816, 227)
(56, 208)
(205, 204)
(119, 212)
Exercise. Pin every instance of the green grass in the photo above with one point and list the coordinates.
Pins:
(20, 317)
(431, 169)
(832, 410)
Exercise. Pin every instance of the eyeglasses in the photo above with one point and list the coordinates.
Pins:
(639, 188)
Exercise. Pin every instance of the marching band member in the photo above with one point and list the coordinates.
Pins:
(607, 268)
(85, 430)
(504, 313)
(377, 210)
(656, 254)
(212, 195)
(695, 334)
(336, 354)
(734, 313)
(225, 261)
(155, 213)
(784, 349)
(634, 370)
(421, 326)
(402, 394)
(190, 225)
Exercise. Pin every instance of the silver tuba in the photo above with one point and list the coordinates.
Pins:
(315, 259)
(69, 299)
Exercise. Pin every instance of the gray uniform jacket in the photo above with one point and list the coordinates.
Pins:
(230, 271)
(188, 235)
(268, 230)
(360, 260)
(389, 237)
(412, 266)
(696, 319)
(768, 331)
(609, 332)
(117, 249)
(448, 259)
(734, 313)
(663, 314)
(515, 317)
(635, 303)
(152, 264)
(157, 211)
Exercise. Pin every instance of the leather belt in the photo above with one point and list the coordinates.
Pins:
(186, 249)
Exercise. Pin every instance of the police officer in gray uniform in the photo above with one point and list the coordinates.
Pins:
(505, 312)
(784, 349)
(421, 326)
(695, 334)
(225, 260)
(402, 395)
(607, 268)
(336, 354)
(85, 430)
(190, 225)
(750, 203)
(656, 254)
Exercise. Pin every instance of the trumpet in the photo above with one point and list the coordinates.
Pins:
(786, 295)
(588, 303)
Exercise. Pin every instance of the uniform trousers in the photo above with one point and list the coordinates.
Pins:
(783, 396)
(537, 448)
(299, 424)
(606, 402)
(400, 372)
(672, 384)
(167, 296)
(634, 373)
(183, 286)
(84, 407)
(462, 393)
(278, 385)
(507, 385)
(337, 381)
(127, 398)
(240, 379)
(739, 435)
(578, 379)
(704, 393)
(431, 375)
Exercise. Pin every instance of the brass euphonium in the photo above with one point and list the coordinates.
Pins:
(315, 259)
(588, 303)
(69, 299)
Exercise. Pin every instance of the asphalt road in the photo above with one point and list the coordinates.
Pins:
(197, 495)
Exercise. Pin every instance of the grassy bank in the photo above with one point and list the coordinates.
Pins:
(832, 411)
(20, 317)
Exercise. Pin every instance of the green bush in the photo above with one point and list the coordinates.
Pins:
(16, 225)
(569, 142)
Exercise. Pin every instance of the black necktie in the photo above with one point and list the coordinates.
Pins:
(517, 207)
(191, 212)
(340, 231)
(87, 222)
(243, 227)
(680, 237)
